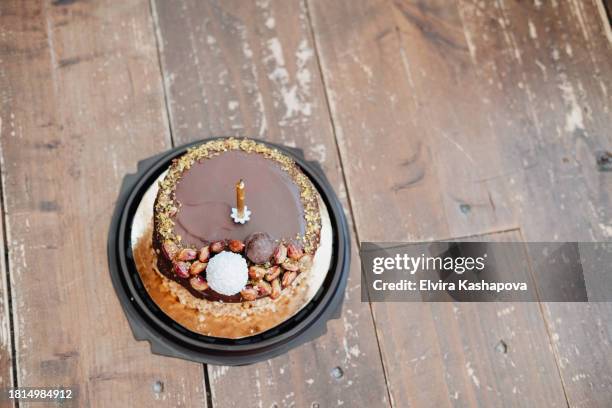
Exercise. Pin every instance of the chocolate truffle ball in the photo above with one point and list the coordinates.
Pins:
(259, 247)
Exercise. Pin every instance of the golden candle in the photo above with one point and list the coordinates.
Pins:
(240, 197)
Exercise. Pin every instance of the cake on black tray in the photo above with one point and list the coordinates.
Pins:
(216, 258)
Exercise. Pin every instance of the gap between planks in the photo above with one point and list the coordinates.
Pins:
(158, 49)
(547, 323)
(168, 122)
(349, 201)
(14, 380)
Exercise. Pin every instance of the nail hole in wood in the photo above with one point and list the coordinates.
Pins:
(501, 347)
(604, 160)
(337, 372)
(158, 387)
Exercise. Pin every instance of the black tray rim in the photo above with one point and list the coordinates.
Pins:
(136, 308)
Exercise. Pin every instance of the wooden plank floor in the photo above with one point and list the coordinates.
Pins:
(82, 101)
(432, 119)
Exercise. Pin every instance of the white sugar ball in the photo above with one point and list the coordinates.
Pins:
(227, 273)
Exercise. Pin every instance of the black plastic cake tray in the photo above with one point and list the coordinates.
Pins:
(169, 338)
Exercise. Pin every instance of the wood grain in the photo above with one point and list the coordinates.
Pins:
(552, 78)
(81, 102)
(433, 176)
(581, 336)
(249, 69)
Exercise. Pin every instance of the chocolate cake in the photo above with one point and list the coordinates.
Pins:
(196, 240)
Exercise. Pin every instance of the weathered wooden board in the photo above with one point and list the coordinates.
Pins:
(549, 68)
(82, 101)
(451, 119)
(420, 109)
(581, 335)
(549, 65)
(6, 357)
(249, 69)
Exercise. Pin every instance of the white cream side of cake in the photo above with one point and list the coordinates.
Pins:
(302, 288)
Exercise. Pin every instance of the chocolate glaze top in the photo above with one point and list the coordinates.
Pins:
(194, 201)
(206, 193)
